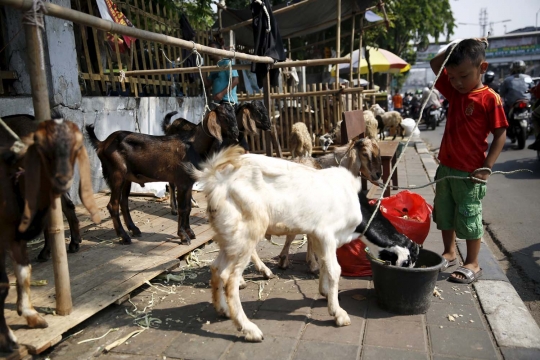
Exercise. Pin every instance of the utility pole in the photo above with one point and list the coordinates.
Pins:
(483, 21)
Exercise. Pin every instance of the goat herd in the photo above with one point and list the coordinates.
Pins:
(249, 197)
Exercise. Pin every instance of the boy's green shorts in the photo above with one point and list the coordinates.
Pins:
(458, 204)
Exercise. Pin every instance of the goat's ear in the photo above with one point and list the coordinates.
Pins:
(32, 173)
(248, 122)
(85, 187)
(213, 126)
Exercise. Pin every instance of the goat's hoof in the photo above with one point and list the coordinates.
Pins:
(314, 269)
(44, 256)
(342, 318)
(243, 284)
(283, 262)
(125, 241)
(190, 233)
(136, 232)
(8, 341)
(35, 321)
(253, 333)
(174, 212)
(268, 275)
(74, 246)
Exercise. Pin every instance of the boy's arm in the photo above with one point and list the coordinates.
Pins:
(437, 61)
(499, 138)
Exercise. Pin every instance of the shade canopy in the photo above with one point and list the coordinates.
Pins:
(314, 16)
(381, 61)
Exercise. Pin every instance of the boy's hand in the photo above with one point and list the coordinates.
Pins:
(482, 175)
(483, 40)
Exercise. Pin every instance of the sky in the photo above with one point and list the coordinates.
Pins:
(522, 13)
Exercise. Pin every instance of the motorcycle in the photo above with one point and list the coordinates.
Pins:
(519, 120)
(432, 117)
(444, 111)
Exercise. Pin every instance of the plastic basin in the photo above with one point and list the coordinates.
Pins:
(406, 291)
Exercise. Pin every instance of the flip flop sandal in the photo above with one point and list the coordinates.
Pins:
(470, 276)
(447, 264)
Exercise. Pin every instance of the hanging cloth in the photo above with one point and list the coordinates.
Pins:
(267, 40)
(187, 34)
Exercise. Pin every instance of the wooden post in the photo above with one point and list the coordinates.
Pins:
(351, 55)
(42, 110)
(268, 103)
(361, 99)
(338, 38)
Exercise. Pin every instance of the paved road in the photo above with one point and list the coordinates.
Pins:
(512, 205)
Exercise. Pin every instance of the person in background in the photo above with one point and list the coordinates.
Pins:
(219, 80)
(489, 80)
(516, 86)
(397, 100)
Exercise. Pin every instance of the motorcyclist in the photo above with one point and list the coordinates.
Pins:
(535, 117)
(489, 80)
(515, 87)
(432, 99)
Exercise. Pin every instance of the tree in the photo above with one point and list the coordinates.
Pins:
(412, 23)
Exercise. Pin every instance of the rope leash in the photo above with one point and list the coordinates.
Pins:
(410, 137)
(470, 177)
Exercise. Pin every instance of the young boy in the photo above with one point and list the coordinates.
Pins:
(475, 110)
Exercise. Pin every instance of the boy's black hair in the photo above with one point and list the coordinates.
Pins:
(471, 49)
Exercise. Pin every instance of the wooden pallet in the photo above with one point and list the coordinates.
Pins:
(104, 271)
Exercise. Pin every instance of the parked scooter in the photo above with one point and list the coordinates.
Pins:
(519, 121)
(444, 111)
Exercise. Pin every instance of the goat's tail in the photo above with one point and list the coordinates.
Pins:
(167, 121)
(216, 167)
(91, 135)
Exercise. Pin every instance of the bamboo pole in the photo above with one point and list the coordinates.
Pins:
(360, 54)
(338, 38)
(315, 62)
(276, 12)
(42, 110)
(351, 53)
(105, 25)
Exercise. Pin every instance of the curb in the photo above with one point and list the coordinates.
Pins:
(515, 330)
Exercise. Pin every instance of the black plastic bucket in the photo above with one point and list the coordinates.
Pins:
(406, 291)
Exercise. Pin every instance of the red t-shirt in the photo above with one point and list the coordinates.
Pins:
(471, 117)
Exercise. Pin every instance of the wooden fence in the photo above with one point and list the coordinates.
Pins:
(100, 61)
(319, 107)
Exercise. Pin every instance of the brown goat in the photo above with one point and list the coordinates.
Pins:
(23, 125)
(249, 118)
(25, 197)
(129, 157)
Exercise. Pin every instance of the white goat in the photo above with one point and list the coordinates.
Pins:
(251, 195)
(371, 124)
(377, 109)
(300, 140)
(390, 120)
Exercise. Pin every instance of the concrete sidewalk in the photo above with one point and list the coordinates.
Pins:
(491, 321)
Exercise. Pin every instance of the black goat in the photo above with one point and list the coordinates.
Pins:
(382, 233)
(249, 118)
(129, 157)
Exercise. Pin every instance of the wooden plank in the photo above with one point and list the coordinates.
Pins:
(134, 275)
(102, 275)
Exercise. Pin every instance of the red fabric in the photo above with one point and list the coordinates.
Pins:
(417, 223)
(353, 259)
(471, 117)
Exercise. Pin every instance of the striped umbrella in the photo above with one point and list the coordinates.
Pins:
(381, 61)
